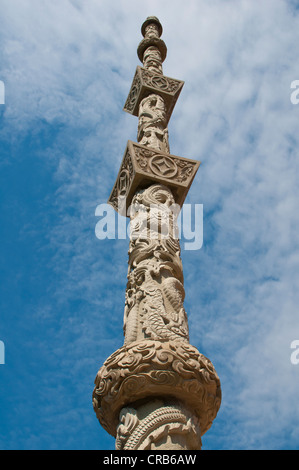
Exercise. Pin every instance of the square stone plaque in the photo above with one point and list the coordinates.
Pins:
(146, 82)
(142, 166)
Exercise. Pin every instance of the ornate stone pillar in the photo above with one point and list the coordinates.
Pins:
(157, 391)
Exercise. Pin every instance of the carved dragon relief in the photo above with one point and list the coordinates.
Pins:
(155, 292)
(152, 125)
(149, 369)
(166, 421)
(156, 359)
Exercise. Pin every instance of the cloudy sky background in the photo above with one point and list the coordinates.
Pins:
(67, 66)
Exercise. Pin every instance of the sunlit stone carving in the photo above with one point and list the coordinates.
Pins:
(157, 391)
(146, 82)
(143, 165)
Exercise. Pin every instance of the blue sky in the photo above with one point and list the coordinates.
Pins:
(67, 67)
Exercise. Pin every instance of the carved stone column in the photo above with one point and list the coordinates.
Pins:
(157, 391)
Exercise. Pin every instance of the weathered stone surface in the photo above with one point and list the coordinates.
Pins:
(146, 82)
(152, 60)
(143, 166)
(152, 123)
(155, 291)
(151, 27)
(156, 392)
(152, 30)
(148, 368)
(158, 424)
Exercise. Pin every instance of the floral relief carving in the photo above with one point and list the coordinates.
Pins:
(147, 368)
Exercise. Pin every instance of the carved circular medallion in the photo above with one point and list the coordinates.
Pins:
(162, 165)
(160, 82)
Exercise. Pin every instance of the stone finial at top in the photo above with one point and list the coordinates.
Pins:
(152, 30)
(149, 79)
(154, 23)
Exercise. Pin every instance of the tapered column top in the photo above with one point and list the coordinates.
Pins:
(151, 20)
(152, 98)
(152, 29)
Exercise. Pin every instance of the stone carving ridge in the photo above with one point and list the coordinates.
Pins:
(147, 368)
(133, 94)
(152, 124)
(157, 391)
(141, 434)
(144, 165)
(146, 82)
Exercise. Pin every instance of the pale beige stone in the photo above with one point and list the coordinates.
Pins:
(157, 392)
(142, 166)
(145, 82)
(152, 60)
(155, 292)
(158, 424)
(152, 124)
(143, 370)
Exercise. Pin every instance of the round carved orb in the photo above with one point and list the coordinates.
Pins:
(145, 369)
